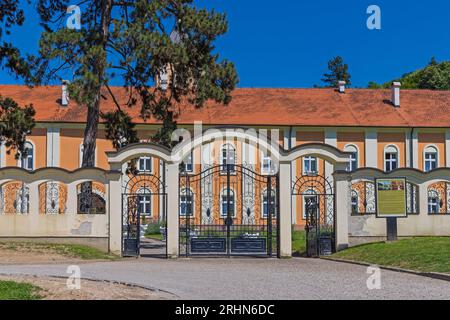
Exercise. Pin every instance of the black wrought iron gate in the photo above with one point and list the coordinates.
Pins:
(144, 197)
(317, 205)
(229, 210)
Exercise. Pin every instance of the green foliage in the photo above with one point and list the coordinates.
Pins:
(136, 41)
(153, 228)
(119, 128)
(15, 124)
(338, 72)
(435, 76)
(11, 290)
(298, 242)
(430, 254)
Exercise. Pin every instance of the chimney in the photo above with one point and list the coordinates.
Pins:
(342, 86)
(396, 94)
(64, 93)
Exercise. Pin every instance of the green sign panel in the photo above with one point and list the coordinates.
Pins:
(391, 197)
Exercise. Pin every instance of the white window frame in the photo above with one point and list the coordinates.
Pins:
(266, 161)
(391, 149)
(351, 148)
(225, 159)
(187, 192)
(431, 149)
(145, 192)
(145, 170)
(20, 161)
(186, 164)
(308, 194)
(224, 194)
(310, 159)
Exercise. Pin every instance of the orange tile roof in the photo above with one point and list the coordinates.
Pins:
(284, 107)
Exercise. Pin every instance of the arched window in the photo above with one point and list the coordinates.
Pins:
(353, 162)
(145, 202)
(224, 204)
(430, 158)
(310, 203)
(228, 157)
(390, 158)
(265, 203)
(27, 157)
(434, 205)
(186, 203)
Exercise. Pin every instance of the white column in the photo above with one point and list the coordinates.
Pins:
(115, 216)
(343, 210)
(371, 147)
(72, 198)
(286, 139)
(2, 155)
(423, 198)
(34, 197)
(330, 139)
(408, 149)
(447, 148)
(415, 149)
(285, 210)
(293, 175)
(172, 210)
(53, 153)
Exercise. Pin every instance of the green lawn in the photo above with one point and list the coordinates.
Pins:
(69, 250)
(298, 243)
(426, 254)
(10, 290)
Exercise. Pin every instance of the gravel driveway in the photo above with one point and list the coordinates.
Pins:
(241, 278)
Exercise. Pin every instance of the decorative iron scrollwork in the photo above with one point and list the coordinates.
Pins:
(90, 200)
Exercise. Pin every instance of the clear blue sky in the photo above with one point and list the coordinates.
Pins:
(287, 43)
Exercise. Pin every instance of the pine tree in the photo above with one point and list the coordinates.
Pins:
(15, 122)
(132, 40)
(338, 71)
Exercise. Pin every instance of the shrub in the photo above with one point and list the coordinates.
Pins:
(153, 228)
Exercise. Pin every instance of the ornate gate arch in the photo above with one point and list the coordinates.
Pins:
(141, 190)
(319, 211)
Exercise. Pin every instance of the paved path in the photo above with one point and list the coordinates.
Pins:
(253, 278)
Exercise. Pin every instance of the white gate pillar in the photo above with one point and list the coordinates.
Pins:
(285, 210)
(172, 233)
(115, 216)
(343, 208)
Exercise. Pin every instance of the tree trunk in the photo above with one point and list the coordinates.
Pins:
(93, 116)
(90, 133)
